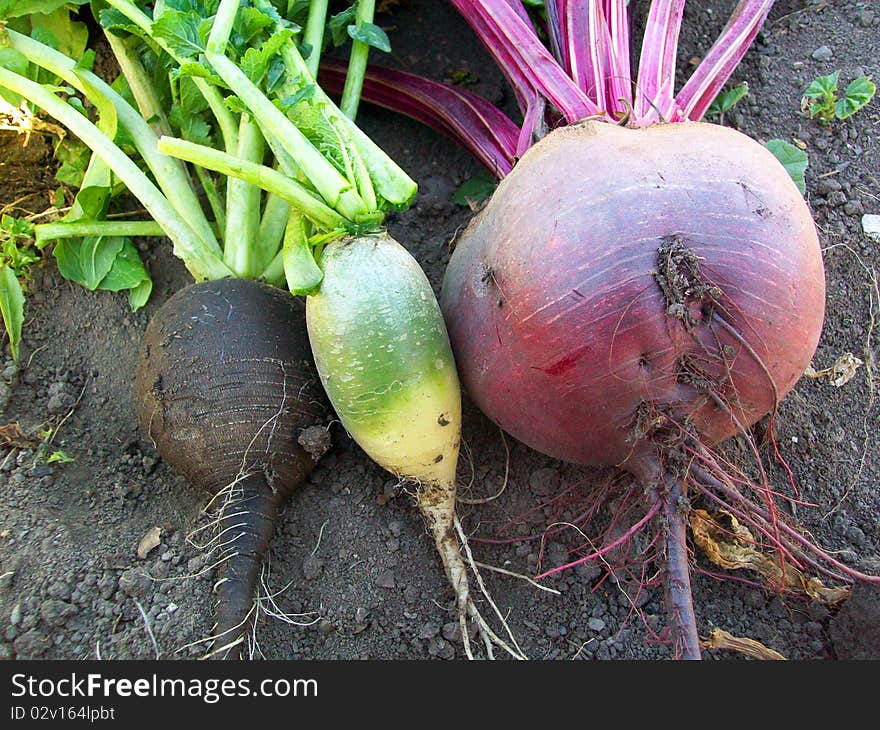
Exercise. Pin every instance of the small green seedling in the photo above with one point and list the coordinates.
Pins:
(60, 457)
(820, 100)
(726, 100)
(474, 192)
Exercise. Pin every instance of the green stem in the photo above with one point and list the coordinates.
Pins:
(260, 175)
(274, 272)
(199, 259)
(272, 227)
(337, 192)
(225, 118)
(314, 33)
(333, 187)
(357, 63)
(221, 27)
(136, 229)
(243, 205)
(141, 88)
(213, 196)
(170, 174)
(386, 176)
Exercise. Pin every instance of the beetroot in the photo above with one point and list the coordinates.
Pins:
(688, 286)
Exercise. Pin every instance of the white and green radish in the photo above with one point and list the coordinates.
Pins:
(382, 353)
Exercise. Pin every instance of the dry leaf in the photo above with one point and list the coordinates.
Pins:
(720, 639)
(840, 373)
(12, 435)
(732, 546)
(149, 541)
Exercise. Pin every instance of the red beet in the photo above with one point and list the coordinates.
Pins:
(629, 297)
(622, 276)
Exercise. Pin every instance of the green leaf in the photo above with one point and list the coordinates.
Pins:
(71, 37)
(480, 187)
(74, 157)
(249, 23)
(127, 271)
(372, 35)
(794, 160)
(139, 295)
(255, 62)
(13, 61)
(306, 92)
(300, 269)
(857, 94)
(12, 307)
(181, 31)
(20, 8)
(338, 24)
(87, 260)
(823, 87)
(726, 100)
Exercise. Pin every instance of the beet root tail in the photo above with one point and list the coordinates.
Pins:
(679, 598)
(245, 528)
(437, 505)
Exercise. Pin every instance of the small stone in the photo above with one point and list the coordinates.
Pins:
(10, 372)
(32, 644)
(544, 482)
(856, 536)
(853, 208)
(59, 589)
(827, 185)
(837, 198)
(452, 631)
(5, 652)
(171, 608)
(871, 226)
(316, 440)
(135, 583)
(325, 627)
(441, 648)
(822, 53)
(312, 567)
(596, 624)
(57, 404)
(866, 17)
(429, 631)
(55, 612)
(386, 579)
(15, 615)
(361, 615)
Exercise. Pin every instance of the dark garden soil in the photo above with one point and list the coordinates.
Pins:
(351, 557)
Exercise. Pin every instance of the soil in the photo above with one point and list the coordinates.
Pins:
(352, 561)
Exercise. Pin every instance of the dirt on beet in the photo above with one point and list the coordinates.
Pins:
(82, 574)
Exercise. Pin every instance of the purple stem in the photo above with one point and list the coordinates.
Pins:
(534, 116)
(554, 31)
(724, 56)
(478, 126)
(522, 57)
(620, 81)
(656, 80)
